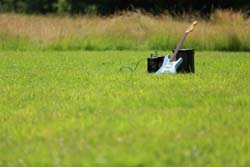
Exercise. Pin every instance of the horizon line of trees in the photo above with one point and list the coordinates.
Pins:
(107, 7)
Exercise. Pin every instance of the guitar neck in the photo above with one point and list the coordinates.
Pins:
(173, 58)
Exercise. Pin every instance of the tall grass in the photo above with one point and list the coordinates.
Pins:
(225, 30)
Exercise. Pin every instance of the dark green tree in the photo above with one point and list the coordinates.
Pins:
(106, 7)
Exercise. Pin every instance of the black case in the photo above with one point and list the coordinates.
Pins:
(187, 66)
(154, 63)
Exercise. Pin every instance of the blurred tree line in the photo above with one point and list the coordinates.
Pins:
(106, 7)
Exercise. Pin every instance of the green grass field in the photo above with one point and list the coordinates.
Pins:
(76, 109)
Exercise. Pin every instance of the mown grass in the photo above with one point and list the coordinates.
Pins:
(76, 108)
(224, 30)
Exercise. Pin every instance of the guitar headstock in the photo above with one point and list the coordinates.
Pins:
(191, 27)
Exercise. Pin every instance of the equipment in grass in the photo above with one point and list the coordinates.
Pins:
(169, 66)
(160, 64)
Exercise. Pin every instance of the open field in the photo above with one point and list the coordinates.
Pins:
(76, 108)
(225, 30)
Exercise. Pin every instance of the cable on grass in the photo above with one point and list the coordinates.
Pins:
(130, 68)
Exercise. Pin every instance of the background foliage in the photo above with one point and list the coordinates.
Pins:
(204, 7)
(126, 31)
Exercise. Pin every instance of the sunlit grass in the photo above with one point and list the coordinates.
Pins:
(77, 109)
